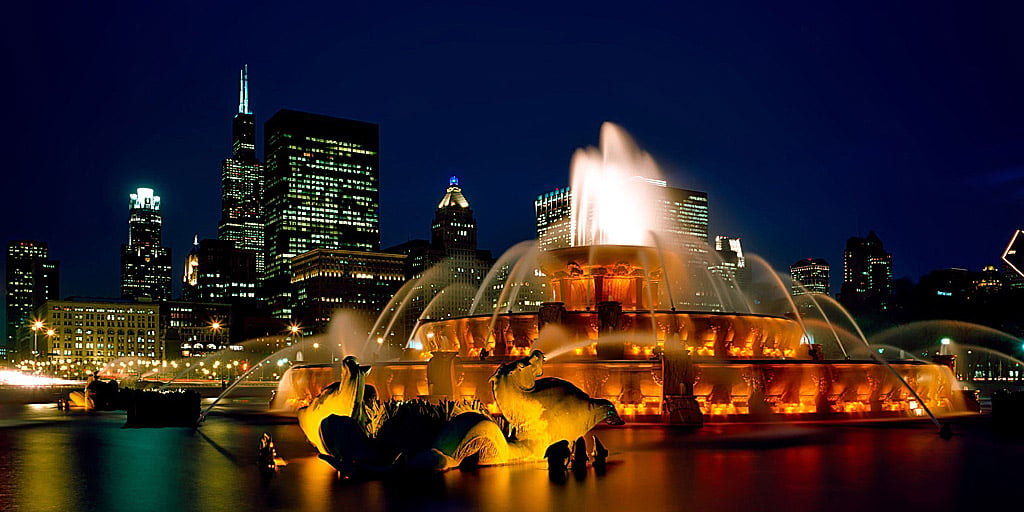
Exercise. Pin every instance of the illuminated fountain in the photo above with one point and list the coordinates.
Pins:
(632, 314)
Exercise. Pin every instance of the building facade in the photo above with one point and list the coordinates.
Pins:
(321, 191)
(327, 280)
(32, 279)
(731, 266)
(810, 276)
(242, 179)
(218, 272)
(684, 215)
(145, 265)
(867, 274)
(88, 333)
(453, 250)
(681, 217)
(194, 329)
(450, 268)
(555, 227)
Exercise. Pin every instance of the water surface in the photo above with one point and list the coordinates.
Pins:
(51, 460)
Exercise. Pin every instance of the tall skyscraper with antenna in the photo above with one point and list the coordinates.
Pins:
(241, 218)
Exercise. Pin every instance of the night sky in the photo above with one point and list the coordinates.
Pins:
(806, 125)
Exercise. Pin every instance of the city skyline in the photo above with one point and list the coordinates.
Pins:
(913, 181)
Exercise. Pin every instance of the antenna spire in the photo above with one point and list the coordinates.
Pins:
(243, 90)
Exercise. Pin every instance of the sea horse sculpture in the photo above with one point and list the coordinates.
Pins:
(546, 410)
(539, 410)
(342, 398)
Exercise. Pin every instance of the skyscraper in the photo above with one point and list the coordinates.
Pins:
(32, 279)
(241, 219)
(732, 266)
(454, 228)
(453, 245)
(682, 216)
(190, 281)
(145, 265)
(456, 266)
(321, 191)
(809, 276)
(867, 273)
(217, 272)
(554, 219)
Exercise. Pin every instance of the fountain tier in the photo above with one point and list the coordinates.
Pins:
(609, 332)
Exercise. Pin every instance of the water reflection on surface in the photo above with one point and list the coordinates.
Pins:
(72, 461)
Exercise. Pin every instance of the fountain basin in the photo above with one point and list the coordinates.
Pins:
(725, 390)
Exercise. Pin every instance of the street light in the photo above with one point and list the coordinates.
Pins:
(295, 330)
(49, 341)
(216, 326)
(36, 325)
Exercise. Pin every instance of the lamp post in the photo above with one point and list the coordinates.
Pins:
(296, 336)
(49, 341)
(215, 327)
(36, 325)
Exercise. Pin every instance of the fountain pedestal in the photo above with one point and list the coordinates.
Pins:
(550, 313)
(609, 321)
(441, 374)
(680, 406)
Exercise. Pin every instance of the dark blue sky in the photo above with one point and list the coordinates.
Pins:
(805, 124)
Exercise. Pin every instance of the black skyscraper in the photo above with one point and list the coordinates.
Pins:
(321, 191)
(241, 218)
(867, 274)
(32, 279)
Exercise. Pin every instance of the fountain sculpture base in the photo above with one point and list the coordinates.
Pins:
(683, 411)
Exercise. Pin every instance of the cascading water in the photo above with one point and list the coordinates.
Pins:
(876, 357)
(808, 296)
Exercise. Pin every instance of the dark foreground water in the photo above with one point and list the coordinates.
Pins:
(50, 460)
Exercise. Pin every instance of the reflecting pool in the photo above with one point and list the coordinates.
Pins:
(52, 460)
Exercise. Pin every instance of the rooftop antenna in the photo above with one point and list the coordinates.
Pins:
(243, 90)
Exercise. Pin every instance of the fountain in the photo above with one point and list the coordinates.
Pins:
(632, 316)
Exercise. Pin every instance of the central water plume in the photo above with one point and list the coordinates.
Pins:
(616, 192)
